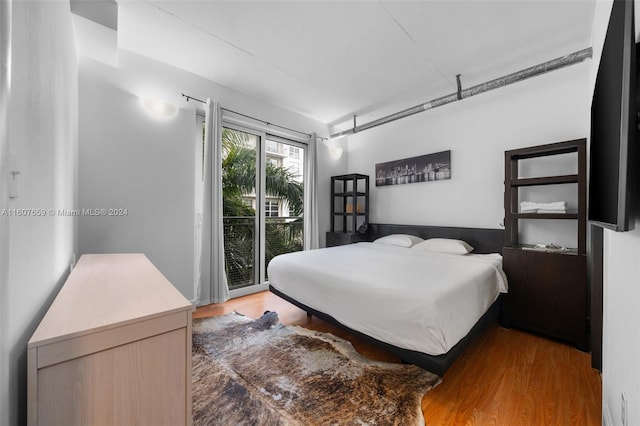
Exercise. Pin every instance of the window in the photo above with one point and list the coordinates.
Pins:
(274, 161)
(294, 152)
(294, 168)
(263, 193)
(272, 208)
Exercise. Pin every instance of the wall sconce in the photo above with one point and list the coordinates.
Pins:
(159, 109)
(335, 151)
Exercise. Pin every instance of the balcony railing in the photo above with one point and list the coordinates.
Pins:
(239, 250)
(282, 235)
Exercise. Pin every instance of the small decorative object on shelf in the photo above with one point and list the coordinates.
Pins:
(550, 248)
(349, 209)
(359, 208)
(547, 281)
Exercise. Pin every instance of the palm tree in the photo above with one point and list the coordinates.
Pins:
(238, 178)
(239, 174)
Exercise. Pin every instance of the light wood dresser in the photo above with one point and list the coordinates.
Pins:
(114, 348)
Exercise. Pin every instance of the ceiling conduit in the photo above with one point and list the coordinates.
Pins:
(496, 83)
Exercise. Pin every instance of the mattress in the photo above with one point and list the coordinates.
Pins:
(416, 300)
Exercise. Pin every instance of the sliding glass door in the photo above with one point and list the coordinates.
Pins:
(240, 183)
(263, 192)
(284, 171)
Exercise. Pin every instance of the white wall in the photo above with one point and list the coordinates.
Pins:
(621, 288)
(5, 84)
(545, 109)
(621, 324)
(42, 142)
(129, 160)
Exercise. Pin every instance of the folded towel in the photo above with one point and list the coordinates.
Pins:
(551, 211)
(552, 206)
(532, 207)
(555, 204)
(528, 204)
(528, 207)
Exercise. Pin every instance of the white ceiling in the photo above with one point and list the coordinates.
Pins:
(330, 60)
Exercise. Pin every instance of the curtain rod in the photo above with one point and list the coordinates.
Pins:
(552, 65)
(253, 118)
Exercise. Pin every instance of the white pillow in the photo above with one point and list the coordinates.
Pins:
(444, 245)
(402, 240)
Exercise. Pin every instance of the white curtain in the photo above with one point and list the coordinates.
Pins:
(311, 196)
(212, 279)
(5, 176)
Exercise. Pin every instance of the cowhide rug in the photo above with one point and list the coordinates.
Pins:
(260, 372)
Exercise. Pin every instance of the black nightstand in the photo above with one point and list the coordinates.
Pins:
(342, 238)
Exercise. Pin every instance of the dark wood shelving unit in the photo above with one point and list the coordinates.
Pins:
(513, 182)
(547, 289)
(349, 208)
(350, 194)
(561, 216)
(547, 180)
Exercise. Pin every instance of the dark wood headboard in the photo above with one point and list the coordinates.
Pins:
(483, 240)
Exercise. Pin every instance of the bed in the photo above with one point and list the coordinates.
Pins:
(424, 306)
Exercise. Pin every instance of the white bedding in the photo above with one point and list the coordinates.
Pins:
(423, 301)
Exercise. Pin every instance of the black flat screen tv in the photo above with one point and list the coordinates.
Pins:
(613, 151)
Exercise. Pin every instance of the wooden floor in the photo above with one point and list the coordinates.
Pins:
(505, 377)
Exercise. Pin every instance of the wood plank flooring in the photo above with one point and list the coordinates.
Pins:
(505, 377)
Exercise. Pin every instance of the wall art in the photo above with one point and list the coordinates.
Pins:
(424, 168)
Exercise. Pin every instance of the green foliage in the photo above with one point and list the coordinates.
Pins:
(238, 178)
(239, 251)
(281, 184)
(283, 237)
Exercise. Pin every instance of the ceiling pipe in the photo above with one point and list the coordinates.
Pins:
(545, 67)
